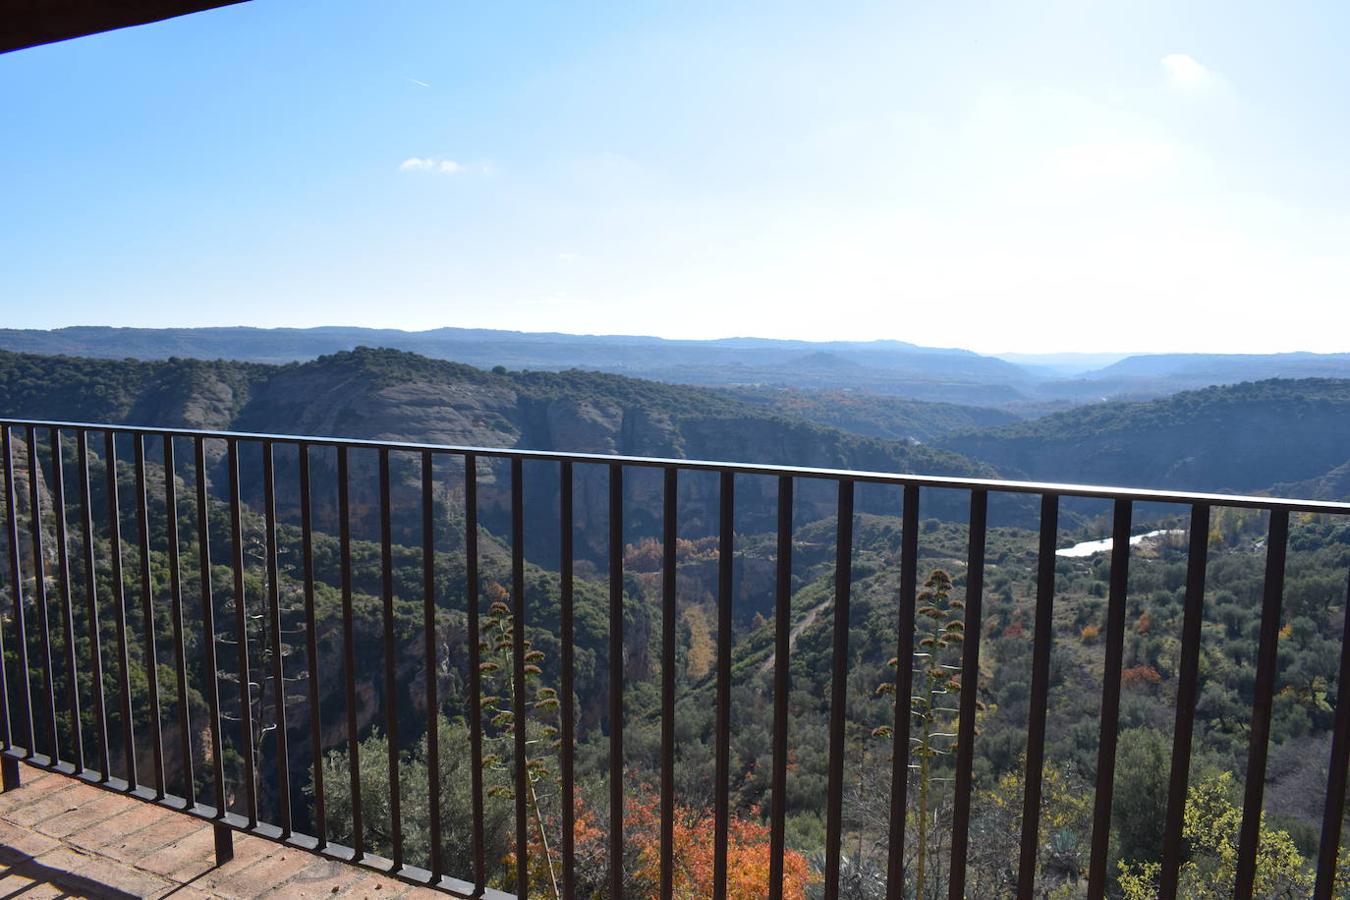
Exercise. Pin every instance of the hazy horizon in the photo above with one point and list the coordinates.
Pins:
(1012, 355)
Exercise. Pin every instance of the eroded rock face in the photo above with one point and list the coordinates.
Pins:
(320, 402)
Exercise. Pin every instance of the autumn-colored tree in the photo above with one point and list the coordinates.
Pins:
(700, 658)
(694, 850)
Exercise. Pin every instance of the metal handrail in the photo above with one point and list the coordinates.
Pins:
(1086, 491)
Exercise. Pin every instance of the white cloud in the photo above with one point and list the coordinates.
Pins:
(1186, 73)
(1115, 160)
(431, 164)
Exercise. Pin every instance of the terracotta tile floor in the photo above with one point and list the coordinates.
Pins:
(62, 838)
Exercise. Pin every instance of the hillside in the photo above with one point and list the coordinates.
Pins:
(394, 395)
(176, 392)
(892, 367)
(874, 415)
(399, 396)
(1244, 437)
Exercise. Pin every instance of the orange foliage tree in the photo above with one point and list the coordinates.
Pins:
(693, 853)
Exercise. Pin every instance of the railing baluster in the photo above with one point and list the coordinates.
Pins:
(970, 691)
(10, 767)
(91, 604)
(782, 632)
(58, 490)
(176, 611)
(669, 544)
(722, 779)
(1334, 809)
(212, 672)
(274, 626)
(148, 614)
(432, 663)
(119, 602)
(1111, 676)
(843, 582)
(1040, 695)
(312, 650)
(904, 683)
(349, 653)
(616, 680)
(477, 842)
(1187, 677)
(1266, 664)
(248, 748)
(40, 594)
(518, 699)
(25, 726)
(568, 638)
(390, 662)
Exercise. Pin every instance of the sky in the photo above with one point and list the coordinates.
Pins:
(1059, 176)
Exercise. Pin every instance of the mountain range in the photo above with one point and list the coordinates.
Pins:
(886, 367)
(1283, 435)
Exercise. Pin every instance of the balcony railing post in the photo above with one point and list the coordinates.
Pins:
(568, 663)
(1187, 677)
(473, 601)
(391, 698)
(904, 683)
(1334, 809)
(782, 632)
(722, 735)
(278, 674)
(843, 581)
(119, 605)
(224, 843)
(176, 611)
(25, 724)
(9, 773)
(40, 594)
(616, 836)
(1040, 695)
(208, 601)
(58, 490)
(91, 604)
(1266, 664)
(970, 687)
(432, 662)
(519, 698)
(312, 650)
(349, 653)
(247, 746)
(1111, 678)
(149, 654)
(5, 734)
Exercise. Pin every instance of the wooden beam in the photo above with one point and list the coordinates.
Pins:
(28, 23)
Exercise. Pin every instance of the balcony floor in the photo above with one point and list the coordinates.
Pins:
(62, 838)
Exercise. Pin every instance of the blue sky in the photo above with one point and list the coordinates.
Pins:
(1067, 175)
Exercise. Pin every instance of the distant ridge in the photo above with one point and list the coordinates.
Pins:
(1027, 384)
(1243, 437)
(887, 366)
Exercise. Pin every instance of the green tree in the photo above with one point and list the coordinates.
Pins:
(1210, 829)
(1139, 800)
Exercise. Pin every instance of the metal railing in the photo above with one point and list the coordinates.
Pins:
(30, 724)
